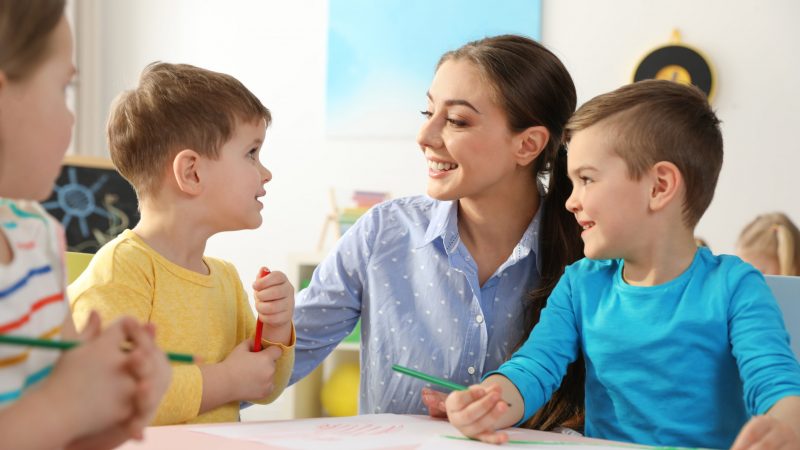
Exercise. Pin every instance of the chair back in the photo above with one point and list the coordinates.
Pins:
(787, 291)
(76, 264)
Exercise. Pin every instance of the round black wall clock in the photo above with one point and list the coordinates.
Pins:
(677, 62)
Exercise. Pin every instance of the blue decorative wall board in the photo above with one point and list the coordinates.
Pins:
(382, 56)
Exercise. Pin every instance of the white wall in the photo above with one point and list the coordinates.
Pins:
(753, 46)
(278, 50)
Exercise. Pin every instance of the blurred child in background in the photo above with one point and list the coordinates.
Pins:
(771, 243)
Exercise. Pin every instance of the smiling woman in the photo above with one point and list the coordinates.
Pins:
(450, 283)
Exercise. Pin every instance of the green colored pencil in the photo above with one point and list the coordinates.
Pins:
(429, 378)
(66, 345)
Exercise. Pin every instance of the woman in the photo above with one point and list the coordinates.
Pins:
(441, 282)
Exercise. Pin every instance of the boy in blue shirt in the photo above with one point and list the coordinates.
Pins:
(681, 346)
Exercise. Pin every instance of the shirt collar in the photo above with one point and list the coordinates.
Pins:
(444, 225)
(530, 240)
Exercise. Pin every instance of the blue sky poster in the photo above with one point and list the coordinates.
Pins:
(382, 55)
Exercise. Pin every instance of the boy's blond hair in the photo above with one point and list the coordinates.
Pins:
(658, 120)
(175, 107)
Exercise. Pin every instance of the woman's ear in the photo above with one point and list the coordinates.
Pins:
(185, 171)
(532, 144)
(667, 184)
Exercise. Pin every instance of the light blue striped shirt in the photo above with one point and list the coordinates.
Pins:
(404, 271)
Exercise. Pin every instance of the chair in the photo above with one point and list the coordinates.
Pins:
(787, 292)
(76, 263)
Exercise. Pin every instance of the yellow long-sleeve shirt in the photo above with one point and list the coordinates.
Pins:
(205, 315)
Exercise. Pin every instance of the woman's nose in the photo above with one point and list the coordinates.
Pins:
(430, 134)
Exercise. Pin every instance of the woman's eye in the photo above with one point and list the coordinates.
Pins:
(252, 153)
(457, 123)
(426, 114)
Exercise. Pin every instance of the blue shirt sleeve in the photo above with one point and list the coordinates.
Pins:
(329, 308)
(760, 342)
(537, 368)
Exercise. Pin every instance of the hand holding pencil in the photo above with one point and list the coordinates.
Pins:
(104, 387)
(274, 297)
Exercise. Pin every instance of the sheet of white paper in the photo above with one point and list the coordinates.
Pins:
(377, 431)
(389, 431)
(523, 441)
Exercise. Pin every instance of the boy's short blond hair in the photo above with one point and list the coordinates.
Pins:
(658, 120)
(175, 107)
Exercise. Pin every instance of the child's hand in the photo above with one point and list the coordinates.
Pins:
(434, 401)
(92, 383)
(251, 373)
(476, 412)
(275, 306)
(767, 433)
(151, 368)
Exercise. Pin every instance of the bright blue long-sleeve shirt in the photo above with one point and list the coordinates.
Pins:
(684, 363)
(404, 271)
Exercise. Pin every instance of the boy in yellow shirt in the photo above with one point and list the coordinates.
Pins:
(188, 140)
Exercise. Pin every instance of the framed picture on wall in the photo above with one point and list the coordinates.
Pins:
(382, 56)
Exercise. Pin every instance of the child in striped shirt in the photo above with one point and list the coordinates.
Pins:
(94, 396)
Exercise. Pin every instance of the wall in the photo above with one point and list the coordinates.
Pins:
(753, 46)
(278, 50)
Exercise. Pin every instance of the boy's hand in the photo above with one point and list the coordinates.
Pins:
(767, 433)
(476, 412)
(275, 306)
(91, 383)
(434, 401)
(251, 373)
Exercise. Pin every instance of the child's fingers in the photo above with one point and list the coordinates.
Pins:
(151, 329)
(273, 351)
(458, 400)
(270, 280)
(481, 416)
(144, 403)
(276, 306)
(495, 437)
(92, 328)
(434, 401)
(273, 293)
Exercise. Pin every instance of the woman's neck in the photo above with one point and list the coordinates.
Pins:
(491, 226)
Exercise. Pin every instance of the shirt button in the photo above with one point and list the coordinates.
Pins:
(470, 370)
(479, 318)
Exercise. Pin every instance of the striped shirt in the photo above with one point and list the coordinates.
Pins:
(32, 294)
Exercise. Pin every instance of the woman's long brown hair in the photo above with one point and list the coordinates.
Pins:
(534, 88)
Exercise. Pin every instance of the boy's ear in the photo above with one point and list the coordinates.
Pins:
(533, 142)
(185, 171)
(667, 183)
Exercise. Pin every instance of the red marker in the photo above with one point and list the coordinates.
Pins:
(259, 326)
